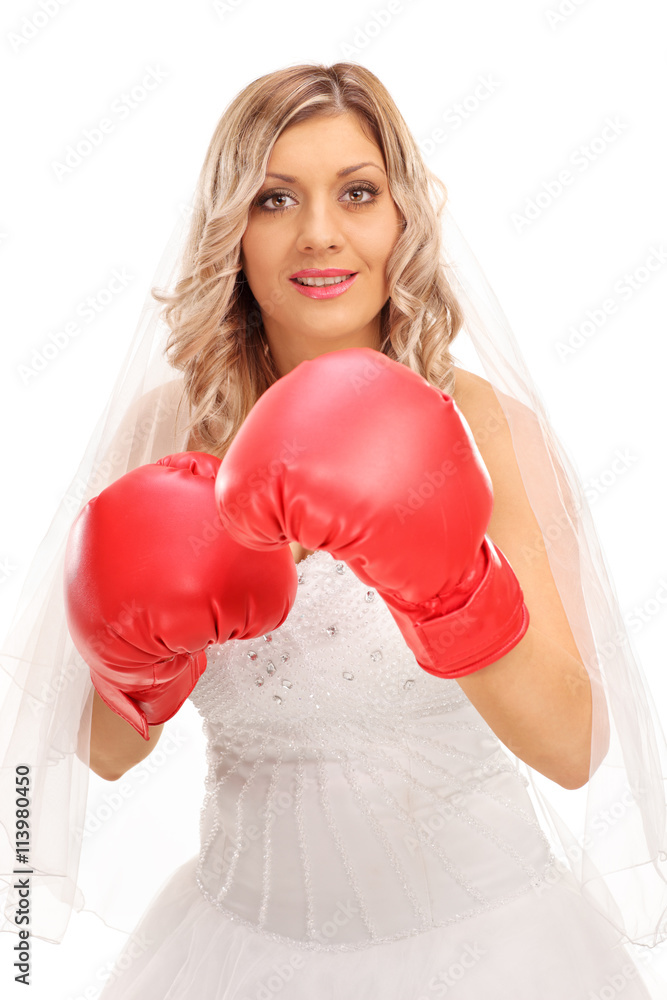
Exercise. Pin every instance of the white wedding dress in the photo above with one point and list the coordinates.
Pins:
(364, 835)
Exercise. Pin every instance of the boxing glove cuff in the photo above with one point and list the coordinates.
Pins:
(452, 642)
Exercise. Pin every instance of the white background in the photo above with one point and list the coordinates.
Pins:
(556, 80)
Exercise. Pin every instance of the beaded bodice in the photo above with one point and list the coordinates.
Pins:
(352, 798)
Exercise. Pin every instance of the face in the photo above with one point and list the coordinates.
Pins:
(320, 215)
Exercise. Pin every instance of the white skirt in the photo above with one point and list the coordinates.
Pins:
(550, 945)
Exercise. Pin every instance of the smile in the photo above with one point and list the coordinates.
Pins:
(323, 288)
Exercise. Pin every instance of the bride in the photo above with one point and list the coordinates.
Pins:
(384, 788)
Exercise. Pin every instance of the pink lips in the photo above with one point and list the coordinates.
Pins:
(323, 291)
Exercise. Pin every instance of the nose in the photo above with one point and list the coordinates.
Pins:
(319, 227)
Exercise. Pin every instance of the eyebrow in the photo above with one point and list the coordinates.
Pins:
(341, 173)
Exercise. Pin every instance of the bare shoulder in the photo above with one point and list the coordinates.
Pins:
(480, 407)
(477, 400)
(469, 389)
(466, 383)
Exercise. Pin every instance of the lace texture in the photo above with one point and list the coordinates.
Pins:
(351, 797)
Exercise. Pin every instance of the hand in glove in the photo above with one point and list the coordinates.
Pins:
(356, 454)
(152, 578)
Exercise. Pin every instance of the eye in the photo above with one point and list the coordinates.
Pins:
(262, 200)
(368, 188)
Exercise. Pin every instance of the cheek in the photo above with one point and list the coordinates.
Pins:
(381, 245)
(261, 253)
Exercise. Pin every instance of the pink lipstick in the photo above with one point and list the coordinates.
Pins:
(322, 291)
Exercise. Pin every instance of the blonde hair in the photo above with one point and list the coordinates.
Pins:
(214, 320)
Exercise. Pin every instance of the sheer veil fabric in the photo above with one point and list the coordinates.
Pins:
(46, 708)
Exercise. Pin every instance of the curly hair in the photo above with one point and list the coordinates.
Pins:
(214, 320)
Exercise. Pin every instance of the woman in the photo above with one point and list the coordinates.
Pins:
(364, 827)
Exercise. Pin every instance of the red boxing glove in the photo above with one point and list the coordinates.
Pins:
(152, 578)
(357, 454)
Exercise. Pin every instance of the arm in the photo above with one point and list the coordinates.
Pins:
(537, 698)
(115, 746)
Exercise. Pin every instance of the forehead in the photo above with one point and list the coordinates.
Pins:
(332, 141)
